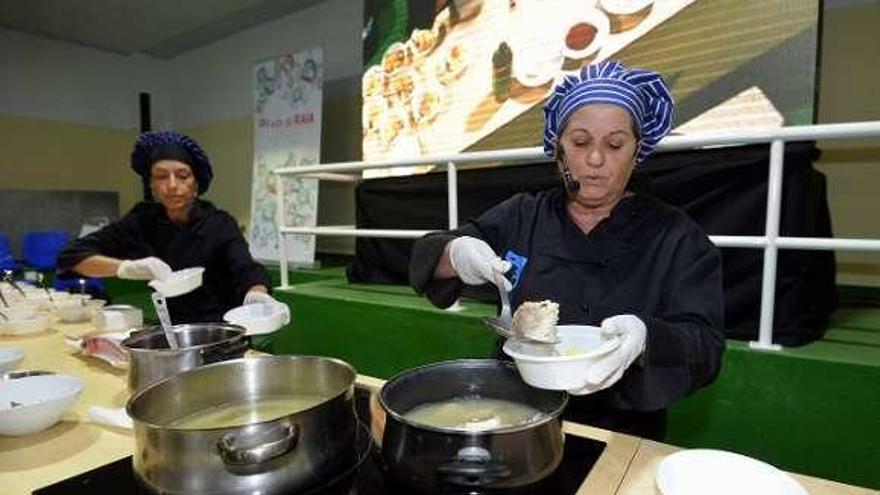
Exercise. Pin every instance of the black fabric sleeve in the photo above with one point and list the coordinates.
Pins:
(117, 240)
(246, 272)
(685, 340)
(493, 227)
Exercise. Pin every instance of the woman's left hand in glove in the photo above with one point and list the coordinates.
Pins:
(258, 297)
(608, 369)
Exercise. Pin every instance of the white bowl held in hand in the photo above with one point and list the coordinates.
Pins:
(702, 471)
(258, 318)
(561, 366)
(32, 404)
(9, 358)
(180, 282)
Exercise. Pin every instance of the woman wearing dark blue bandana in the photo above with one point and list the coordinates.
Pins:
(174, 229)
(608, 256)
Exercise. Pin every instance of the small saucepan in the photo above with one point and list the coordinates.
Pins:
(430, 459)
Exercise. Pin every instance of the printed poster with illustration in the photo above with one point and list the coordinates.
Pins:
(287, 133)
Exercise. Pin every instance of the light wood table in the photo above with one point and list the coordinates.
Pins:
(640, 475)
(626, 466)
(75, 444)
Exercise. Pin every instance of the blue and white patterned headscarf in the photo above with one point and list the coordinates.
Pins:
(152, 147)
(640, 92)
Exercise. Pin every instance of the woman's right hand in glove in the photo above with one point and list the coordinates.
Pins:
(476, 263)
(150, 268)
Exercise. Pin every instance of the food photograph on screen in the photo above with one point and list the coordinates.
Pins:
(448, 76)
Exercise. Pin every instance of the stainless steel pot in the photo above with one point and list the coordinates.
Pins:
(425, 459)
(280, 456)
(150, 358)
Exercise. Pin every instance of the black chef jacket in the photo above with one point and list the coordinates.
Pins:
(210, 239)
(647, 259)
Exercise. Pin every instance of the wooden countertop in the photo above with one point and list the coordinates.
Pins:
(626, 467)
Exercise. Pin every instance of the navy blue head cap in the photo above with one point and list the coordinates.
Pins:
(642, 93)
(152, 147)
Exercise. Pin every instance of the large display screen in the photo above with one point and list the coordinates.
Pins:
(445, 76)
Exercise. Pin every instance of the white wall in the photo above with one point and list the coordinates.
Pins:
(48, 79)
(212, 83)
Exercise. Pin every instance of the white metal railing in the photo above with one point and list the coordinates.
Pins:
(770, 242)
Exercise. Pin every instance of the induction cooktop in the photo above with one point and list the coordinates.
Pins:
(364, 475)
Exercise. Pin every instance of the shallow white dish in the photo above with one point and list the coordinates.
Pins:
(9, 358)
(702, 471)
(561, 366)
(537, 59)
(180, 282)
(32, 404)
(259, 318)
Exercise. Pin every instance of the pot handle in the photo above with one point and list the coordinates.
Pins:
(473, 466)
(252, 450)
(217, 353)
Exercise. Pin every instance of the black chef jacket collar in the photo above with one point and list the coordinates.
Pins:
(607, 239)
(200, 210)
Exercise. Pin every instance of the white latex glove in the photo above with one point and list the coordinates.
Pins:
(610, 367)
(475, 262)
(259, 297)
(150, 268)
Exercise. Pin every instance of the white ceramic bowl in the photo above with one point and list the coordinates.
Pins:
(9, 358)
(561, 366)
(259, 318)
(180, 282)
(34, 403)
(76, 311)
(19, 310)
(24, 325)
(700, 471)
(118, 317)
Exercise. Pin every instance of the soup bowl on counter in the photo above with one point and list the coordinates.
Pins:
(273, 424)
(437, 436)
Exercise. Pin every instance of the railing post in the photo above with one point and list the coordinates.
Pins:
(771, 234)
(452, 194)
(452, 205)
(282, 238)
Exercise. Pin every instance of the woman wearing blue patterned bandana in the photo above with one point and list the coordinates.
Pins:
(608, 256)
(174, 229)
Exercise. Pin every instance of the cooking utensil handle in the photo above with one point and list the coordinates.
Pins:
(219, 353)
(472, 473)
(237, 455)
(164, 319)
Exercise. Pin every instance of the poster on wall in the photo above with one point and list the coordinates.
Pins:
(287, 133)
(442, 77)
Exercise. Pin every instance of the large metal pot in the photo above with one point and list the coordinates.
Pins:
(430, 460)
(279, 456)
(151, 359)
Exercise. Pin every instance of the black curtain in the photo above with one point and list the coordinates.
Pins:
(723, 189)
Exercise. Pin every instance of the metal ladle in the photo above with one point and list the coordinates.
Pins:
(40, 281)
(164, 319)
(7, 277)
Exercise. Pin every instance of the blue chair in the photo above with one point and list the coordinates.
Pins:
(7, 259)
(40, 249)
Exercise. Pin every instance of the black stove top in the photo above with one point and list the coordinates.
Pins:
(363, 477)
